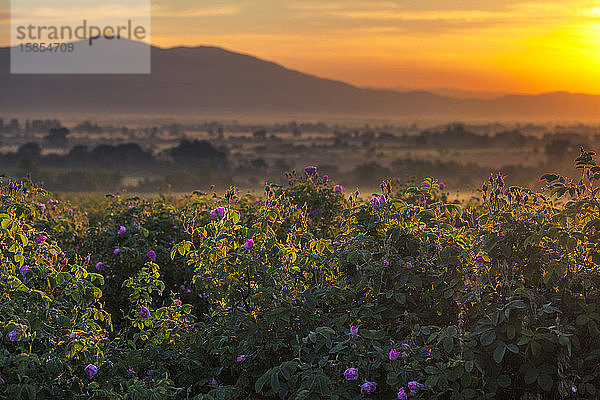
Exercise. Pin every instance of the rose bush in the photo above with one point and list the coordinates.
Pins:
(305, 293)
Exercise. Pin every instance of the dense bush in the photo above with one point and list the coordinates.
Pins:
(305, 293)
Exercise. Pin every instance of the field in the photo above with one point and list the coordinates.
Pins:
(305, 291)
(151, 157)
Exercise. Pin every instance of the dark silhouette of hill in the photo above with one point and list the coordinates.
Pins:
(456, 93)
(213, 81)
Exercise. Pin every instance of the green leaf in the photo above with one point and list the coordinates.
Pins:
(260, 382)
(275, 385)
(31, 393)
(563, 340)
(372, 334)
(448, 344)
(499, 353)
(510, 332)
(487, 338)
(535, 348)
(549, 177)
(545, 382)
(530, 375)
(469, 366)
(503, 381)
(400, 298)
(235, 216)
(320, 247)
(523, 340)
(513, 348)
(591, 389)
(432, 380)
(431, 370)
(285, 372)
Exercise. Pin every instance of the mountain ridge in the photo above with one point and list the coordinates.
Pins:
(209, 80)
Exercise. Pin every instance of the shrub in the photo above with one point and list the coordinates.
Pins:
(305, 293)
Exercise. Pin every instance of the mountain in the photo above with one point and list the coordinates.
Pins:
(455, 93)
(209, 81)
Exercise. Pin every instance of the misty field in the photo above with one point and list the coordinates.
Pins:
(181, 156)
(304, 292)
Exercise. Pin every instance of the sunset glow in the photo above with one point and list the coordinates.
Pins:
(511, 46)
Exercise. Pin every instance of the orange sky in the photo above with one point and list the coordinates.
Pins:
(509, 46)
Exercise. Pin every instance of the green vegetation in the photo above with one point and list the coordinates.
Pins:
(304, 293)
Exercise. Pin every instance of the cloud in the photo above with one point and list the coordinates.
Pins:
(74, 13)
(4, 15)
(517, 12)
(435, 5)
(163, 11)
(456, 15)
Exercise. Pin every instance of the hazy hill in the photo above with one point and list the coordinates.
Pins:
(213, 81)
(455, 93)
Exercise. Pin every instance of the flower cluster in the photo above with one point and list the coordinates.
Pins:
(310, 170)
(368, 387)
(151, 255)
(13, 335)
(377, 202)
(40, 239)
(413, 386)
(101, 267)
(353, 332)
(25, 270)
(218, 213)
(144, 312)
(351, 374)
(91, 370)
